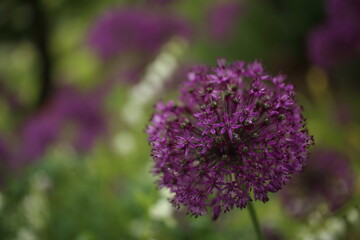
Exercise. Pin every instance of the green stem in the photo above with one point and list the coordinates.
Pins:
(255, 221)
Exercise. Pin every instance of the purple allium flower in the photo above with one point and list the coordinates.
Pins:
(338, 39)
(68, 107)
(222, 19)
(237, 135)
(121, 30)
(38, 132)
(84, 110)
(327, 178)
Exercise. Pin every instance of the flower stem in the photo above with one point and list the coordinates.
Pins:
(255, 221)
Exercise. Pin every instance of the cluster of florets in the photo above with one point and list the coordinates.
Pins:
(238, 135)
(327, 180)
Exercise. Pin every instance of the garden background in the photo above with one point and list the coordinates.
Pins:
(78, 82)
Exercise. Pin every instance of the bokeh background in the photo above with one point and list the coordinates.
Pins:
(78, 82)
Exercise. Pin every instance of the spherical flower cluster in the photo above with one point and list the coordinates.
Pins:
(327, 179)
(238, 135)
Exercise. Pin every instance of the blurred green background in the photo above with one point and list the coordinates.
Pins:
(74, 157)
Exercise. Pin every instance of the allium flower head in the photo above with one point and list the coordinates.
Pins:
(327, 179)
(237, 135)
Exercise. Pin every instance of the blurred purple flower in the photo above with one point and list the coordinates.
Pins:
(342, 8)
(343, 113)
(270, 233)
(5, 160)
(327, 178)
(68, 107)
(177, 77)
(4, 152)
(338, 39)
(121, 30)
(161, 2)
(238, 135)
(9, 97)
(39, 132)
(83, 110)
(222, 19)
